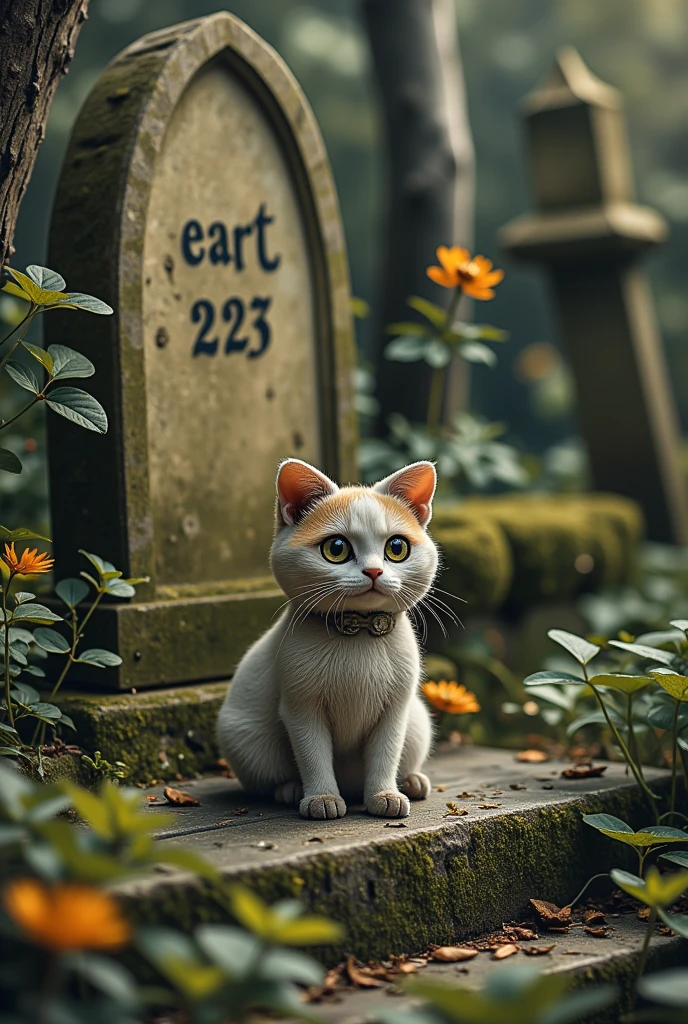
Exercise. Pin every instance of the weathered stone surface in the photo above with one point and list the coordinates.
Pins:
(435, 879)
(158, 734)
(588, 959)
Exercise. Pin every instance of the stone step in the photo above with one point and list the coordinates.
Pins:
(586, 958)
(402, 886)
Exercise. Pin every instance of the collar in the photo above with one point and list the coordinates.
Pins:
(348, 623)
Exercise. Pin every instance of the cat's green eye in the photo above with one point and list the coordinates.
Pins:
(397, 549)
(336, 549)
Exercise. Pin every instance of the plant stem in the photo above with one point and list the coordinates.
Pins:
(643, 953)
(604, 874)
(626, 752)
(632, 738)
(674, 752)
(21, 412)
(8, 681)
(436, 385)
(20, 324)
(27, 320)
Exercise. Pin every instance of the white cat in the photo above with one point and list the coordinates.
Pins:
(327, 702)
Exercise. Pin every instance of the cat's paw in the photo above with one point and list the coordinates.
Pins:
(416, 786)
(323, 806)
(289, 793)
(389, 805)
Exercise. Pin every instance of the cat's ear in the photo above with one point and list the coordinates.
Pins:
(415, 486)
(298, 487)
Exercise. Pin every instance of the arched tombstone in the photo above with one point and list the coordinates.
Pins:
(197, 199)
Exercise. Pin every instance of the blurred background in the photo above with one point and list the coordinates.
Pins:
(637, 45)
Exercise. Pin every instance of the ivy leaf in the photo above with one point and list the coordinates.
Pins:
(43, 357)
(69, 363)
(474, 352)
(50, 640)
(9, 461)
(79, 300)
(79, 407)
(23, 376)
(46, 278)
(581, 650)
(71, 591)
(99, 657)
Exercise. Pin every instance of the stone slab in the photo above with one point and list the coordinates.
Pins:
(435, 879)
(588, 959)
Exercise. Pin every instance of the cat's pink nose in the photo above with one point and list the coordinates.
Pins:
(373, 573)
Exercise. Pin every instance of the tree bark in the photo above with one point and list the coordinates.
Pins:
(430, 179)
(37, 39)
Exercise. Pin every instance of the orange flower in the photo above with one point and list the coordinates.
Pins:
(66, 916)
(30, 563)
(473, 274)
(451, 697)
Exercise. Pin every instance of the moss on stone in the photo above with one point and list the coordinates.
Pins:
(477, 558)
(403, 893)
(158, 734)
(549, 538)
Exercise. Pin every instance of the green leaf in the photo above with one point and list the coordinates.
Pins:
(681, 624)
(31, 612)
(50, 640)
(103, 659)
(626, 684)
(69, 363)
(9, 461)
(71, 591)
(309, 930)
(99, 564)
(46, 279)
(410, 328)
(23, 376)
(474, 352)
(43, 357)
(24, 694)
(119, 589)
(595, 717)
(673, 683)
(406, 349)
(656, 891)
(553, 678)
(43, 710)
(79, 300)
(478, 332)
(106, 975)
(581, 650)
(679, 857)
(679, 924)
(435, 314)
(288, 965)
(649, 653)
(652, 835)
(79, 407)
(437, 354)
(669, 988)
(21, 534)
(22, 596)
(33, 292)
(34, 670)
(608, 824)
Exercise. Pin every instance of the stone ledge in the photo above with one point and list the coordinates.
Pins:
(399, 889)
(157, 733)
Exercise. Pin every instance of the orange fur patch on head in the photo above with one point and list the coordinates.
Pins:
(330, 516)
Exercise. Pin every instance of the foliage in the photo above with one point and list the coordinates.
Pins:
(217, 973)
(25, 646)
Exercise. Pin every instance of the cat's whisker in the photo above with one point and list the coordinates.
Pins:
(444, 609)
(448, 593)
(300, 593)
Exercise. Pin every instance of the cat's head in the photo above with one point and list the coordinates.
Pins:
(362, 548)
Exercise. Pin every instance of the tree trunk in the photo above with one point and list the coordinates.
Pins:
(430, 179)
(37, 39)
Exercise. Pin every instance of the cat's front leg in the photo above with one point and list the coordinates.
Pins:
(311, 742)
(382, 755)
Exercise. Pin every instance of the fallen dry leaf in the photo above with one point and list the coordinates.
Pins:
(537, 950)
(465, 796)
(453, 954)
(516, 785)
(643, 914)
(532, 756)
(572, 952)
(453, 811)
(488, 807)
(504, 951)
(313, 839)
(440, 789)
(523, 933)
(598, 933)
(240, 810)
(179, 798)
(584, 773)
(551, 915)
(407, 967)
(395, 824)
(593, 917)
(151, 798)
(361, 976)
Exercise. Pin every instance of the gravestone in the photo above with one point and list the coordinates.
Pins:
(588, 231)
(196, 198)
